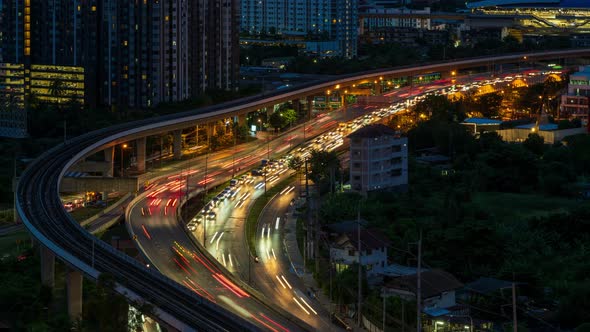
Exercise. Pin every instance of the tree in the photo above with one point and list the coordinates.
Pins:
(535, 143)
(295, 163)
(242, 132)
(323, 167)
(57, 88)
(487, 105)
(289, 116)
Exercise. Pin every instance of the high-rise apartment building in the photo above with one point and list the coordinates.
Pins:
(214, 45)
(311, 19)
(134, 54)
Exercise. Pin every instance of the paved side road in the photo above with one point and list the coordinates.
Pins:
(12, 228)
(292, 249)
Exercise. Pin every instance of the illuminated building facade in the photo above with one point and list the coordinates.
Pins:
(320, 20)
(214, 45)
(575, 103)
(122, 54)
(521, 18)
(378, 159)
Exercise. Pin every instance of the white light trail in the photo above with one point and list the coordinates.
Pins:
(218, 239)
(279, 279)
(286, 282)
(301, 306)
(213, 238)
(277, 223)
(310, 308)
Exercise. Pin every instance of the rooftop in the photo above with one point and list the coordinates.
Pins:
(487, 285)
(543, 127)
(578, 4)
(482, 121)
(370, 239)
(434, 282)
(372, 131)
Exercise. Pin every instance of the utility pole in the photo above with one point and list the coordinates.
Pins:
(384, 304)
(204, 198)
(308, 203)
(404, 316)
(14, 184)
(233, 157)
(330, 281)
(92, 252)
(514, 321)
(419, 288)
(360, 267)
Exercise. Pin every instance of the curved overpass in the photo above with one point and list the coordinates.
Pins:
(40, 209)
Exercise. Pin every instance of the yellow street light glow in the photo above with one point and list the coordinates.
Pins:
(124, 146)
(337, 86)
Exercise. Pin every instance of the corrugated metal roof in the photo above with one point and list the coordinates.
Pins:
(482, 121)
(531, 3)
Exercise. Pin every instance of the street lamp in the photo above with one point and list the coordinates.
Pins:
(470, 321)
(123, 147)
(436, 324)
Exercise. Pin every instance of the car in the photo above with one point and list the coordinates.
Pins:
(211, 215)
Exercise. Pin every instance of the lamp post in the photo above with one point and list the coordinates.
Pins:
(466, 316)
(123, 147)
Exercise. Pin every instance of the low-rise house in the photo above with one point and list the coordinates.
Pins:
(373, 244)
(437, 289)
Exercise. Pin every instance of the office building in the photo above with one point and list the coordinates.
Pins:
(318, 20)
(378, 159)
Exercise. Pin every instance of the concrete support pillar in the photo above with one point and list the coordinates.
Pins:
(109, 157)
(140, 146)
(378, 88)
(105, 196)
(177, 146)
(47, 267)
(309, 108)
(242, 119)
(74, 290)
(208, 131)
(211, 131)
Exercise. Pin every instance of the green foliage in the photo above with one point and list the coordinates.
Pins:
(574, 308)
(296, 163)
(488, 105)
(535, 143)
(579, 147)
(282, 118)
(323, 166)
(104, 309)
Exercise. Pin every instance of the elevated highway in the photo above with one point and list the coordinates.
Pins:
(40, 209)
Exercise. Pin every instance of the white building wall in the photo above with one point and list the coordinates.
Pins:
(377, 259)
(446, 300)
(378, 163)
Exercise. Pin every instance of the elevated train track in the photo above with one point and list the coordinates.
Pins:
(40, 209)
